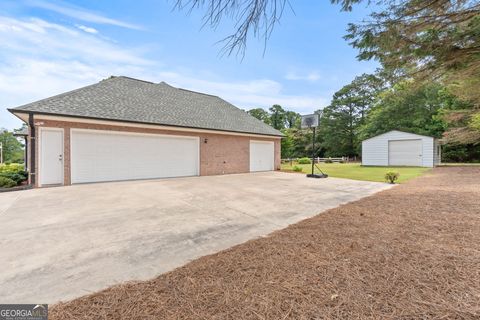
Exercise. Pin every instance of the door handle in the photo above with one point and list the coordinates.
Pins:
(60, 157)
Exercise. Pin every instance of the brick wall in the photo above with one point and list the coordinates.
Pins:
(219, 153)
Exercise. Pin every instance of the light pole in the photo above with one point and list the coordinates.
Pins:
(1, 152)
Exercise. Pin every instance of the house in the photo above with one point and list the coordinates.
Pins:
(123, 128)
(398, 148)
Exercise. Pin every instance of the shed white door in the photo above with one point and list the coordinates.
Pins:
(110, 156)
(51, 156)
(261, 155)
(405, 152)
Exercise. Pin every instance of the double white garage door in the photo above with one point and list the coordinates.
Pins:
(112, 156)
(108, 156)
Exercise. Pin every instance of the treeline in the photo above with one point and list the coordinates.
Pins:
(369, 106)
(428, 82)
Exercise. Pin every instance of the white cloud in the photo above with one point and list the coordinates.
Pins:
(249, 94)
(311, 76)
(81, 14)
(87, 29)
(39, 59)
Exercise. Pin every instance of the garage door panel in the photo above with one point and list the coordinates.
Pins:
(405, 152)
(103, 156)
(262, 156)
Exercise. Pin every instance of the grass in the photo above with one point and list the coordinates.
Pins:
(357, 172)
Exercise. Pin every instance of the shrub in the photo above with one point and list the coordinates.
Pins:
(297, 169)
(11, 167)
(392, 176)
(304, 161)
(17, 177)
(7, 183)
(23, 173)
(329, 160)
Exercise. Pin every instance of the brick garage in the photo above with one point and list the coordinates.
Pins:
(93, 109)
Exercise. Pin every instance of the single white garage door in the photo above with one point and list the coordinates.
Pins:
(262, 155)
(111, 156)
(405, 152)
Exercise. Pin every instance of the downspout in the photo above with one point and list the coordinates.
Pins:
(31, 125)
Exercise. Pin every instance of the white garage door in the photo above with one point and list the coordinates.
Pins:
(261, 156)
(109, 156)
(405, 152)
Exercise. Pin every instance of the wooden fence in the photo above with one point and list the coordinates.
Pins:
(318, 160)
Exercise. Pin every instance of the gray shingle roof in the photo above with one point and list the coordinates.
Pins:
(132, 100)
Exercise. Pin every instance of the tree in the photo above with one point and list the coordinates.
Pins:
(260, 114)
(292, 119)
(12, 148)
(429, 40)
(409, 108)
(277, 117)
(257, 17)
(347, 111)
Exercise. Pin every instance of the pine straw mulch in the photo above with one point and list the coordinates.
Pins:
(409, 252)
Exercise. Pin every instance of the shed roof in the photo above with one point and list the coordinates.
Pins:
(409, 133)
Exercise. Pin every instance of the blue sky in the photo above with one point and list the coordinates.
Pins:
(49, 47)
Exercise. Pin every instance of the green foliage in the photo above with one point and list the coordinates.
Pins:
(260, 114)
(297, 169)
(7, 183)
(409, 108)
(12, 148)
(17, 177)
(428, 41)
(12, 168)
(292, 119)
(340, 121)
(328, 160)
(391, 176)
(475, 121)
(461, 153)
(277, 117)
(304, 161)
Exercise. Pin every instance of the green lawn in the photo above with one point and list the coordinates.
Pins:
(357, 172)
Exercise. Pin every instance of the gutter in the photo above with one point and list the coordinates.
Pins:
(31, 125)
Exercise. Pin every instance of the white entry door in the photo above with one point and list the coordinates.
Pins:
(51, 156)
(113, 156)
(405, 152)
(262, 155)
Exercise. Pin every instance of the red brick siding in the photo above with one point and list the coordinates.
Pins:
(221, 154)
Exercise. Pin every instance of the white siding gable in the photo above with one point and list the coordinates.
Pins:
(375, 149)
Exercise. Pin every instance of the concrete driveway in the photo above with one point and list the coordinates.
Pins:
(61, 243)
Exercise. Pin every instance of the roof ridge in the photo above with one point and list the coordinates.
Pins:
(130, 78)
(122, 98)
(206, 94)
